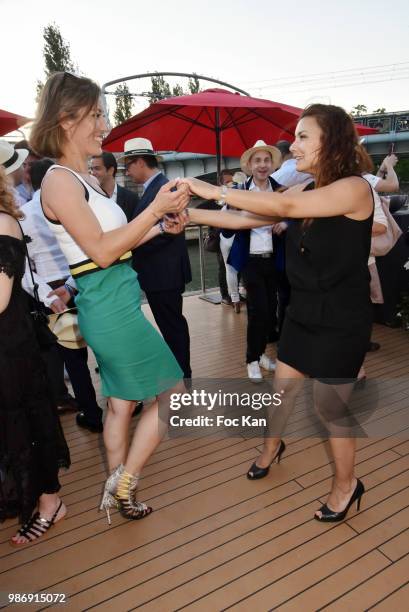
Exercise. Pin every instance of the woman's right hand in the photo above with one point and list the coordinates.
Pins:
(168, 201)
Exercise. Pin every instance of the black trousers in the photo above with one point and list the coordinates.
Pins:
(167, 308)
(259, 276)
(224, 291)
(283, 295)
(76, 363)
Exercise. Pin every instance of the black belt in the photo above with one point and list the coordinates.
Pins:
(261, 255)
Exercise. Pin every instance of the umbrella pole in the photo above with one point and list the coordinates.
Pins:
(218, 149)
(214, 298)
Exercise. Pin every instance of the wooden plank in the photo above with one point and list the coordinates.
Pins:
(390, 587)
(397, 547)
(325, 591)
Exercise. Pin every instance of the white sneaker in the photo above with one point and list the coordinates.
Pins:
(254, 373)
(266, 363)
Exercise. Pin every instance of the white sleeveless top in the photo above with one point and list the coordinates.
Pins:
(110, 216)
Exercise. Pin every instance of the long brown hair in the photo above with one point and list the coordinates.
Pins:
(7, 202)
(64, 96)
(340, 154)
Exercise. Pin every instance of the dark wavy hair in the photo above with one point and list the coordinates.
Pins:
(340, 154)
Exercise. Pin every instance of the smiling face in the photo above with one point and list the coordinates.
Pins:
(261, 165)
(307, 144)
(99, 171)
(86, 133)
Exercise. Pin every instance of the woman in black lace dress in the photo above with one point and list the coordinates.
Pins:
(32, 447)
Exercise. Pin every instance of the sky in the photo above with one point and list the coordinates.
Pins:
(292, 52)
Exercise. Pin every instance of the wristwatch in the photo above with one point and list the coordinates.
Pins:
(223, 192)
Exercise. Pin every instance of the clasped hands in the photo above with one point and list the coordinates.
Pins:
(171, 205)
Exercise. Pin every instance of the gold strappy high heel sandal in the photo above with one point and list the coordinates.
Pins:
(125, 498)
(108, 498)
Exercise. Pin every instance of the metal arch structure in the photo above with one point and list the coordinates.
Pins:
(177, 74)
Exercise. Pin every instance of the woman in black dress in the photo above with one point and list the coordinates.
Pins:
(32, 446)
(328, 322)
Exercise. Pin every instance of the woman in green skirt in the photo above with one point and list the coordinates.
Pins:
(93, 233)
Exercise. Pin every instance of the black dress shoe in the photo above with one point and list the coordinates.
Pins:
(83, 422)
(138, 409)
(67, 404)
(373, 346)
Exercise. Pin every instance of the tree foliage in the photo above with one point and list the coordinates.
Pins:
(56, 52)
(194, 86)
(123, 104)
(359, 109)
(379, 111)
(162, 89)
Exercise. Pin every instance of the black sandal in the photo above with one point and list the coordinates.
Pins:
(256, 472)
(35, 527)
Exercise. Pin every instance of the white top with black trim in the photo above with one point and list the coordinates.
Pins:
(110, 216)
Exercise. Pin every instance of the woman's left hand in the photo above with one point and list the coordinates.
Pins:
(176, 223)
(201, 188)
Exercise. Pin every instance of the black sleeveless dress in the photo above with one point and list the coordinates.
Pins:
(328, 322)
(32, 445)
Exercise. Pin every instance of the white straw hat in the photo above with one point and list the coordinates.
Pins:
(136, 147)
(11, 158)
(260, 146)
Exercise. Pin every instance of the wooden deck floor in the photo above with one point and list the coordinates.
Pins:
(216, 540)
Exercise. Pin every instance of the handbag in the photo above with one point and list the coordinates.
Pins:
(39, 317)
(211, 242)
(382, 244)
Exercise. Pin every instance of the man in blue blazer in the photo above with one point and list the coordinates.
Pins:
(104, 167)
(162, 264)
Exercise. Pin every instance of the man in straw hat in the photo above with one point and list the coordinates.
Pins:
(252, 253)
(162, 264)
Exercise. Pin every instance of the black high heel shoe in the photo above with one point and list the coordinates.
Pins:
(256, 472)
(330, 516)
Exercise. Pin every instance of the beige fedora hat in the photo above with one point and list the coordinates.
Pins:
(138, 146)
(11, 158)
(260, 145)
(65, 326)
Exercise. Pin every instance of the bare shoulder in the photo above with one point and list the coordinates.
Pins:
(60, 179)
(353, 185)
(9, 226)
(359, 193)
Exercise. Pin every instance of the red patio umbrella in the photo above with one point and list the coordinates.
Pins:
(10, 122)
(214, 121)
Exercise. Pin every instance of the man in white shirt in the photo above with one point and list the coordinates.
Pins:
(51, 273)
(259, 273)
(385, 181)
(24, 187)
(288, 175)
